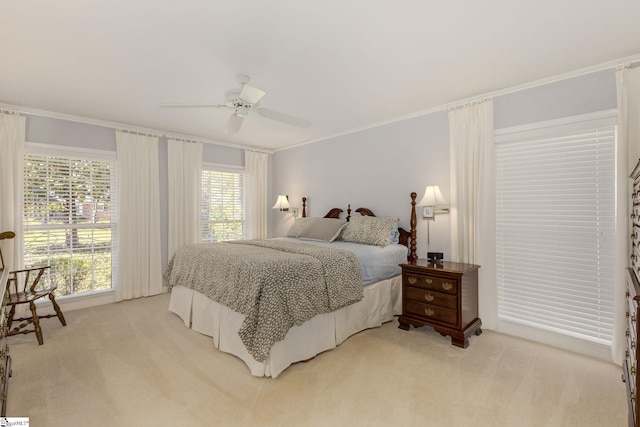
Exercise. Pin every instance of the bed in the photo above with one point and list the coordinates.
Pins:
(270, 326)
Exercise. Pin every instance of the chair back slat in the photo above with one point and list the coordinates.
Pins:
(4, 270)
(28, 281)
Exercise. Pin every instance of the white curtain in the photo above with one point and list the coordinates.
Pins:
(185, 169)
(139, 264)
(256, 170)
(12, 134)
(473, 199)
(627, 154)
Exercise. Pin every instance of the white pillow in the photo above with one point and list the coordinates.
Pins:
(298, 225)
(323, 229)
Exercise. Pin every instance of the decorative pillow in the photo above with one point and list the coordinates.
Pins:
(323, 229)
(298, 225)
(369, 230)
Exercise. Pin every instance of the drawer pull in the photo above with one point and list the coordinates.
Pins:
(429, 281)
(429, 297)
(447, 286)
(412, 280)
(429, 311)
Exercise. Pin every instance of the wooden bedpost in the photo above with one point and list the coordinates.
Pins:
(413, 257)
(304, 207)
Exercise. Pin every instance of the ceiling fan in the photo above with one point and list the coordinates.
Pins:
(242, 101)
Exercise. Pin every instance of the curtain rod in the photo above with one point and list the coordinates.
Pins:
(137, 132)
(175, 138)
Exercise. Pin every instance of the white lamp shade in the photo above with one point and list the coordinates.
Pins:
(432, 197)
(282, 203)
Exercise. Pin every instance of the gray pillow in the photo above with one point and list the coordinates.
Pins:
(369, 230)
(323, 229)
(298, 225)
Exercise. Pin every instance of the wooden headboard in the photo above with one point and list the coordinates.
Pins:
(407, 238)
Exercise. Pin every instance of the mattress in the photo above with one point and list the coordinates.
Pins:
(376, 263)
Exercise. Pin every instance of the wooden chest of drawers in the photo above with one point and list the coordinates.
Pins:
(443, 295)
(5, 359)
(630, 366)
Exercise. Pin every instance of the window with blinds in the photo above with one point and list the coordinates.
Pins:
(69, 220)
(223, 205)
(555, 208)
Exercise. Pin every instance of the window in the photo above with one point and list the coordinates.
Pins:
(223, 205)
(69, 220)
(555, 201)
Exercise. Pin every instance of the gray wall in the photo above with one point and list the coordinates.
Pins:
(378, 168)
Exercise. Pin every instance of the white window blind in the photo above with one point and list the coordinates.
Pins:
(69, 220)
(555, 229)
(223, 205)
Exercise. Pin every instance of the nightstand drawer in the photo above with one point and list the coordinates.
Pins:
(431, 282)
(431, 312)
(430, 297)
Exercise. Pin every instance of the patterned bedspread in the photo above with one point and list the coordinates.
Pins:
(274, 284)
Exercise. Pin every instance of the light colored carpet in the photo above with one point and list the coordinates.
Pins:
(135, 364)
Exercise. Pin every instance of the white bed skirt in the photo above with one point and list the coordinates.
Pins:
(381, 302)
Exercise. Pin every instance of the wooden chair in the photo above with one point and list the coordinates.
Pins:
(25, 287)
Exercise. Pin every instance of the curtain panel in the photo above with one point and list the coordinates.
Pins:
(185, 169)
(12, 141)
(256, 170)
(472, 210)
(138, 244)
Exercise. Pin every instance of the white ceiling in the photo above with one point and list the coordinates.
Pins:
(343, 64)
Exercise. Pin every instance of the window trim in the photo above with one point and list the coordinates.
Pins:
(63, 151)
(224, 168)
(540, 130)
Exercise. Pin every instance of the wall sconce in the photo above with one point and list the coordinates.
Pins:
(432, 198)
(282, 203)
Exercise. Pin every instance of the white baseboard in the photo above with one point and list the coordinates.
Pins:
(565, 342)
(76, 302)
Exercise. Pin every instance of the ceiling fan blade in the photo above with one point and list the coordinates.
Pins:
(234, 123)
(285, 118)
(193, 105)
(250, 94)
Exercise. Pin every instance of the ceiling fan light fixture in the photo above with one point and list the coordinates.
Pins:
(244, 100)
(242, 111)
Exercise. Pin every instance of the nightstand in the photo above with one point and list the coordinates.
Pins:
(443, 295)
